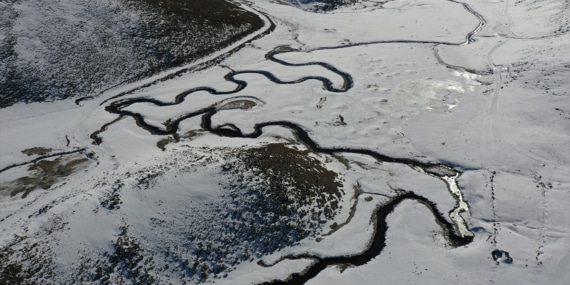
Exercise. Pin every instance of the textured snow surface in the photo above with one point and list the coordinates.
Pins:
(196, 206)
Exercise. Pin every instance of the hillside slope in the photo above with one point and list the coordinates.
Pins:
(79, 48)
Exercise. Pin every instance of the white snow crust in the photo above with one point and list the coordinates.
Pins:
(497, 110)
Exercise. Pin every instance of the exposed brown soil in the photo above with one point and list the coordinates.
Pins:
(163, 142)
(36, 151)
(242, 104)
(43, 174)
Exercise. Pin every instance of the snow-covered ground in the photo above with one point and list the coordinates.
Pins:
(200, 177)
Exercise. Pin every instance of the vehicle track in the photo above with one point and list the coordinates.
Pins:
(494, 116)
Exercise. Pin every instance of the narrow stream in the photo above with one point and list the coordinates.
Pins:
(377, 243)
(457, 231)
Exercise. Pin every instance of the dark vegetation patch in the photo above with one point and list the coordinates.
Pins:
(322, 5)
(184, 30)
(112, 199)
(273, 197)
(98, 44)
(28, 260)
(126, 264)
(162, 143)
(24, 269)
(192, 134)
(293, 178)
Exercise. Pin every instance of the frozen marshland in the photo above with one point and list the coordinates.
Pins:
(401, 142)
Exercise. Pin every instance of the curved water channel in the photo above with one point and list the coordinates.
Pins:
(456, 232)
(376, 245)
